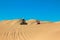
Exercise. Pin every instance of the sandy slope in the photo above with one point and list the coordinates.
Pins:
(12, 30)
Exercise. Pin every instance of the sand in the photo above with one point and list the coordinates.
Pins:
(12, 30)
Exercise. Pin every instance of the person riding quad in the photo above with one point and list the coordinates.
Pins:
(23, 22)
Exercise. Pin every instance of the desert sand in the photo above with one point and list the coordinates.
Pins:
(12, 30)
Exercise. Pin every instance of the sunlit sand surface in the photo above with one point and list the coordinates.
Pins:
(12, 30)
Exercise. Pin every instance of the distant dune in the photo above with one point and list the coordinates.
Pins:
(13, 30)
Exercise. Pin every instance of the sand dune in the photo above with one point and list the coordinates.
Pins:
(12, 30)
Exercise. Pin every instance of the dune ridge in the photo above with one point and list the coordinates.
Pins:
(13, 30)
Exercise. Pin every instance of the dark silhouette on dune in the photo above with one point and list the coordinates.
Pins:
(23, 22)
(38, 22)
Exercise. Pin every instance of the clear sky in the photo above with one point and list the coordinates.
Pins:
(30, 9)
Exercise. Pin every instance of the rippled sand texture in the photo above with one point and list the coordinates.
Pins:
(12, 30)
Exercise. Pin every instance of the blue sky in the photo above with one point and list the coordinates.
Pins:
(30, 9)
